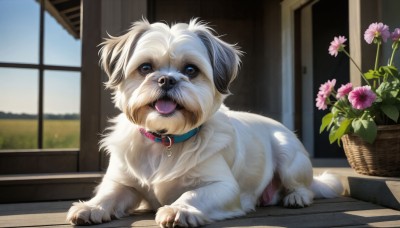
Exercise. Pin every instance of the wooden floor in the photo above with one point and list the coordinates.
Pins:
(340, 212)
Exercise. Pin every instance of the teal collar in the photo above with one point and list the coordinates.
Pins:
(169, 140)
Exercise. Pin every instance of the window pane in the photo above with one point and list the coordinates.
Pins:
(18, 108)
(62, 109)
(60, 47)
(19, 26)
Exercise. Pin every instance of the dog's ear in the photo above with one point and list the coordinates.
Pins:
(115, 52)
(224, 57)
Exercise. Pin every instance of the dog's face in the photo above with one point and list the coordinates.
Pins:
(169, 80)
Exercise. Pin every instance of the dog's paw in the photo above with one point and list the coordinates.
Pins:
(180, 215)
(83, 214)
(300, 197)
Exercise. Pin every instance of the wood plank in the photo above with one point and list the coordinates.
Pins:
(320, 206)
(342, 211)
(46, 177)
(45, 187)
(45, 219)
(310, 220)
(40, 161)
(34, 208)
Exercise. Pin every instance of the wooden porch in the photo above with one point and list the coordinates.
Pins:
(382, 210)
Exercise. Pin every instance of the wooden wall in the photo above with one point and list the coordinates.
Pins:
(253, 25)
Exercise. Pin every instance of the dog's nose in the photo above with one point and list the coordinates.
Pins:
(166, 82)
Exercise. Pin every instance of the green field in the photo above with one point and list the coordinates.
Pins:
(22, 134)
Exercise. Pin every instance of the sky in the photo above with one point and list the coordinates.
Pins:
(19, 42)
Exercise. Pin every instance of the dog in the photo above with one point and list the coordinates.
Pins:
(177, 149)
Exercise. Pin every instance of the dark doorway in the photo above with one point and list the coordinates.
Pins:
(330, 18)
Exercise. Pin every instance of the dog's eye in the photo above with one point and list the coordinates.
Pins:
(191, 71)
(145, 69)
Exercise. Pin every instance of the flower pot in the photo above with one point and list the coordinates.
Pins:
(382, 158)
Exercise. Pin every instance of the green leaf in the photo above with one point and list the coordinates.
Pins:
(395, 87)
(343, 128)
(326, 120)
(391, 111)
(339, 132)
(372, 74)
(357, 124)
(391, 70)
(365, 128)
(332, 135)
(394, 93)
(382, 88)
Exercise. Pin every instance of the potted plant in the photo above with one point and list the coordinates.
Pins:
(366, 118)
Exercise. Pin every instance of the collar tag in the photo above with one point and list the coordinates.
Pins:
(169, 140)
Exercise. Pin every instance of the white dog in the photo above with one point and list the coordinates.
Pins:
(177, 149)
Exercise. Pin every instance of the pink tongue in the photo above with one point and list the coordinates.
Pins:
(165, 106)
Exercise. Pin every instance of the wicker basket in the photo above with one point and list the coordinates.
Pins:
(382, 158)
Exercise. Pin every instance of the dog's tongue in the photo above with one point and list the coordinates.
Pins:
(165, 106)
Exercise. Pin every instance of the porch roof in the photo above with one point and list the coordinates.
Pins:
(67, 13)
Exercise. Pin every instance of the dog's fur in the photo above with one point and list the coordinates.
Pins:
(221, 172)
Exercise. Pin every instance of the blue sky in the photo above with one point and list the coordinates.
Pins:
(19, 42)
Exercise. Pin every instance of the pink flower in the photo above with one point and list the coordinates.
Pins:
(376, 30)
(344, 90)
(326, 88)
(321, 102)
(362, 97)
(336, 45)
(396, 35)
(325, 91)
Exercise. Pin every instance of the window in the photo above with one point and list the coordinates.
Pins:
(19, 94)
(57, 173)
(40, 74)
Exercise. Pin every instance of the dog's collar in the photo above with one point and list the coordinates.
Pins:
(169, 140)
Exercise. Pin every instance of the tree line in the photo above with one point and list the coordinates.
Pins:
(24, 116)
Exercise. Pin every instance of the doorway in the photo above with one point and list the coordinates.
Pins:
(316, 23)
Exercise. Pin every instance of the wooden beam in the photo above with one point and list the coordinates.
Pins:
(73, 14)
(91, 87)
(58, 1)
(67, 10)
(45, 187)
(60, 18)
(361, 14)
(68, 5)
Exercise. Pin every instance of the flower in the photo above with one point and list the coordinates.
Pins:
(344, 90)
(359, 110)
(362, 97)
(337, 45)
(325, 91)
(376, 30)
(396, 35)
(326, 88)
(321, 102)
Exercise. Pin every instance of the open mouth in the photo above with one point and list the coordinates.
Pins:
(165, 106)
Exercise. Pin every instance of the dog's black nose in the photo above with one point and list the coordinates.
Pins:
(166, 82)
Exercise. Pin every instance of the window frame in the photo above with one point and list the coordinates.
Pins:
(83, 159)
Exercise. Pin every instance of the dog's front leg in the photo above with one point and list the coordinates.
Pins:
(216, 198)
(112, 200)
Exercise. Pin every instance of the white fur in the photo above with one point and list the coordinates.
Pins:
(219, 173)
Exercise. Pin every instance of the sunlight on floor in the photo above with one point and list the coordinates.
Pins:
(374, 213)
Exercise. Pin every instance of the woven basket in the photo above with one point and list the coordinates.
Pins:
(382, 158)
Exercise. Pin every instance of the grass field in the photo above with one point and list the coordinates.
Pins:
(22, 134)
